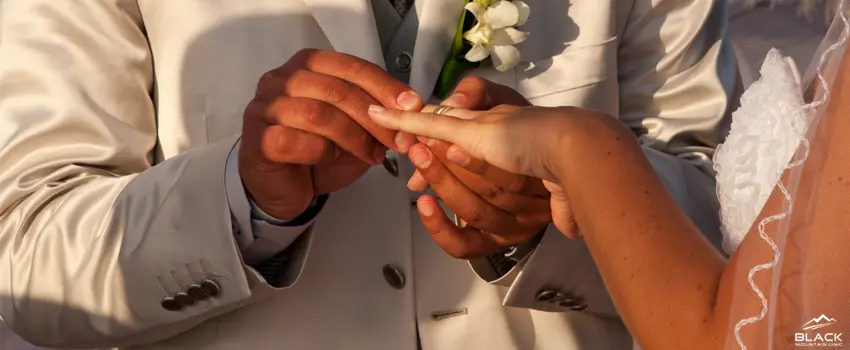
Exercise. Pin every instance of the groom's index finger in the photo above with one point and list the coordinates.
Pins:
(366, 75)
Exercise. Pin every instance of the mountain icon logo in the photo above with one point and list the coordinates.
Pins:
(818, 322)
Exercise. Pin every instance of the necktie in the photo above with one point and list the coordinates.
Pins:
(402, 6)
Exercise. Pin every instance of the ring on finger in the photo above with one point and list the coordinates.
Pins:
(442, 110)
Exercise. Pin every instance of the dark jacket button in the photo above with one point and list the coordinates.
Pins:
(391, 163)
(546, 295)
(196, 292)
(184, 299)
(210, 288)
(171, 304)
(579, 307)
(394, 276)
(568, 303)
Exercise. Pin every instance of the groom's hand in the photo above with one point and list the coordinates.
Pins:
(307, 132)
(500, 209)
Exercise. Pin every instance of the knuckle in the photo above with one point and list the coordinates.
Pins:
(475, 216)
(269, 86)
(518, 184)
(336, 91)
(492, 192)
(280, 141)
(436, 178)
(310, 150)
(475, 83)
(274, 142)
(320, 150)
(311, 112)
(304, 54)
(266, 81)
(388, 89)
(476, 91)
(254, 110)
(355, 66)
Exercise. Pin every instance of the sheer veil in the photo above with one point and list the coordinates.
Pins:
(785, 272)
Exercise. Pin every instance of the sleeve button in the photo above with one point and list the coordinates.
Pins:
(196, 292)
(579, 307)
(546, 295)
(184, 299)
(210, 288)
(171, 304)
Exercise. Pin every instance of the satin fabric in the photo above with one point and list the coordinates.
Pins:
(118, 116)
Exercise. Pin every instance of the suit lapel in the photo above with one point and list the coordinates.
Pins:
(350, 27)
(438, 21)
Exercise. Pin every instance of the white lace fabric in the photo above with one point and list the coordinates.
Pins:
(768, 137)
(765, 133)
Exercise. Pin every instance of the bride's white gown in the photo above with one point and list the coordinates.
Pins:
(766, 131)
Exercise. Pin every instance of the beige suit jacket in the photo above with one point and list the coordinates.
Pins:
(117, 117)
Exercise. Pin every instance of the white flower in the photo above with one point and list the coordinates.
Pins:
(494, 35)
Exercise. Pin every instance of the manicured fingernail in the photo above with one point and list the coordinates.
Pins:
(455, 100)
(427, 209)
(402, 143)
(417, 184)
(379, 154)
(376, 109)
(421, 158)
(408, 100)
(458, 157)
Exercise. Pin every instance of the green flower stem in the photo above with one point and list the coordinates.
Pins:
(455, 63)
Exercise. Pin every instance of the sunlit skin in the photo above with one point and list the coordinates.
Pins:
(673, 289)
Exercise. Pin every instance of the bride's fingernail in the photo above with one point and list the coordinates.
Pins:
(408, 100)
(401, 142)
(420, 157)
(376, 109)
(427, 209)
(417, 183)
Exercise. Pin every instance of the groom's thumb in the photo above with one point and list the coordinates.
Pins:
(479, 94)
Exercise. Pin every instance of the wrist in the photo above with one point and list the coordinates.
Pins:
(303, 218)
(278, 211)
(589, 141)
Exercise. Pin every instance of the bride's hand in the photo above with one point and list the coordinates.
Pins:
(523, 140)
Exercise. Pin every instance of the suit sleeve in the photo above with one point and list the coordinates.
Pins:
(678, 83)
(97, 243)
(263, 242)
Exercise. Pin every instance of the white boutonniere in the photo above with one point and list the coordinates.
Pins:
(489, 34)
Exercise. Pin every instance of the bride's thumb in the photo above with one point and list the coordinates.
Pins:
(562, 213)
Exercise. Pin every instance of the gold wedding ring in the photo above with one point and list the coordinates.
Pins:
(442, 110)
